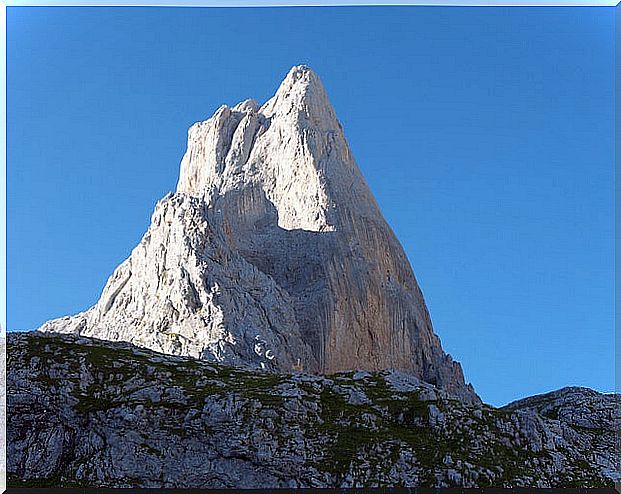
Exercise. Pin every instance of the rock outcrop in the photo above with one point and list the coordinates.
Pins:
(273, 254)
(88, 413)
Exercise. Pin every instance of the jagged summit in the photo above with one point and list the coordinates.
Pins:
(273, 254)
(293, 147)
(303, 94)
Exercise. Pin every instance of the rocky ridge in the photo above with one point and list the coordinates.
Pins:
(272, 254)
(84, 412)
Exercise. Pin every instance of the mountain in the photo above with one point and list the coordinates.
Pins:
(273, 254)
(88, 413)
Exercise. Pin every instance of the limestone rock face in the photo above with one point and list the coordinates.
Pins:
(183, 291)
(273, 253)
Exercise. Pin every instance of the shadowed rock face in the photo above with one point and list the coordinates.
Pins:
(274, 254)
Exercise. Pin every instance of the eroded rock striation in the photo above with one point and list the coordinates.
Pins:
(88, 413)
(273, 253)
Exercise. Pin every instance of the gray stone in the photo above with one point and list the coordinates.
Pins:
(272, 254)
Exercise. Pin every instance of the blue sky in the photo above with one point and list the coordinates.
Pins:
(485, 133)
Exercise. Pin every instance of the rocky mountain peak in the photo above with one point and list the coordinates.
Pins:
(273, 253)
(292, 148)
(302, 97)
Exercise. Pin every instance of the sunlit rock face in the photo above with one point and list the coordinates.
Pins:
(273, 254)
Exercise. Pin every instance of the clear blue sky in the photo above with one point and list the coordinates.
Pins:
(485, 133)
